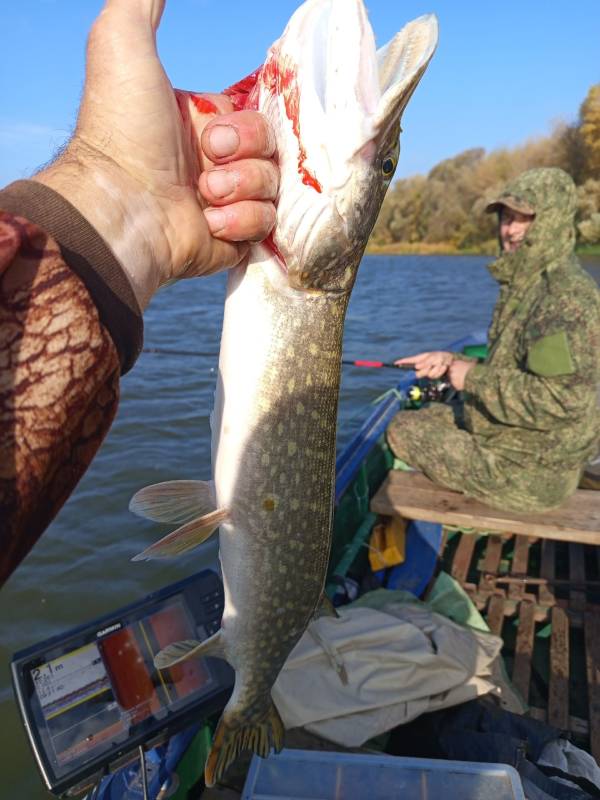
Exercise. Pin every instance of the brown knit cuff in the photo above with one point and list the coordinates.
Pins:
(90, 258)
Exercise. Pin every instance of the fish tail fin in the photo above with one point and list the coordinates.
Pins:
(234, 735)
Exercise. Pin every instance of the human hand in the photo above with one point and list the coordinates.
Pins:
(432, 364)
(458, 371)
(173, 187)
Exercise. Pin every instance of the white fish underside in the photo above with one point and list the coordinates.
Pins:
(274, 448)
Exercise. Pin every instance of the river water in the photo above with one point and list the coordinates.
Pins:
(81, 568)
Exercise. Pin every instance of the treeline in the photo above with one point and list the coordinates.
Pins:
(445, 209)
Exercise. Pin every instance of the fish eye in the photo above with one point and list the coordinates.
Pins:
(388, 166)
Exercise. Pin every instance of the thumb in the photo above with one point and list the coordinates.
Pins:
(147, 10)
(124, 73)
(124, 30)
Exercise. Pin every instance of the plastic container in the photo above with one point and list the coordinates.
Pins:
(318, 775)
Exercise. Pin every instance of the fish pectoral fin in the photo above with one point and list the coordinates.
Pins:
(189, 648)
(184, 538)
(234, 736)
(174, 501)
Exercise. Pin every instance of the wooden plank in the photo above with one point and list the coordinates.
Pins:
(495, 614)
(547, 571)
(592, 654)
(524, 649)
(519, 567)
(577, 575)
(413, 496)
(579, 726)
(463, 556)
(444, 541)
(491, 562)
(558, 690)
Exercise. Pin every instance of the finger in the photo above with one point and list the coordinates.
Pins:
(424, 364)
(246, 221)
(249, 179)
(242, 134)
(406, 360)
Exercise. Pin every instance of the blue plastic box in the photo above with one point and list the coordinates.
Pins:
(318, 775)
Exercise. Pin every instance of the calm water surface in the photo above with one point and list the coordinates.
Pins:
(81, 568)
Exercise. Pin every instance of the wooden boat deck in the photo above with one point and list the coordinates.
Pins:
(543, 598)
(536, 580)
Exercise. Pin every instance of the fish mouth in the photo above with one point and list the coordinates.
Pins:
(335, 102)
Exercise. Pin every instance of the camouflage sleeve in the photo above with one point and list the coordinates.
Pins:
(558, 379)
(59, 382)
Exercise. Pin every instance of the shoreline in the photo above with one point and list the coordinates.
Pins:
(447, 249)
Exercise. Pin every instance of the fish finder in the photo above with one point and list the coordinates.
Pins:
(92, 696)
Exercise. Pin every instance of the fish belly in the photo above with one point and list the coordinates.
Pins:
(274, 461)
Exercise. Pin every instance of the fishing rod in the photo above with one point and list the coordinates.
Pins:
(417, 394)
(378, 364)
(357, 363)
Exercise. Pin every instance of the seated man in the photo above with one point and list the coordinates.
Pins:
(531, 418)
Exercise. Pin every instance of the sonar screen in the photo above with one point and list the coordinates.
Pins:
(93, 694)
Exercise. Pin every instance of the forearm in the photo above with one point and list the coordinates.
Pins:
(59, 364)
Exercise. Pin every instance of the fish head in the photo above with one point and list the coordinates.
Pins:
(335, 103)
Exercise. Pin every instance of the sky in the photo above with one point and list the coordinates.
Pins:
(504, 72)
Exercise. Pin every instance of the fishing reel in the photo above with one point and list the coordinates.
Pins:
(437, 391)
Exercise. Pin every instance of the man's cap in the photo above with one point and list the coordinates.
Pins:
(512, 201)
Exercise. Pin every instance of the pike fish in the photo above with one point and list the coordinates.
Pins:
(334, 103)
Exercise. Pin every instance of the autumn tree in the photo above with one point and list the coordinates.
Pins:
(589, 129)
(447, 206)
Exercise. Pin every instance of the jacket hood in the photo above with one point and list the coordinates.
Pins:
(550, 239)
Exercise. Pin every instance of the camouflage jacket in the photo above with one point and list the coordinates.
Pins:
(534, 400)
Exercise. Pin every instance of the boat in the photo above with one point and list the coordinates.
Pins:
(541, 596)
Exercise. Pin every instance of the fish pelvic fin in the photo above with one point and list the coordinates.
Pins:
(189, 648)
(184, 538)
(325, 608)
(174, 501)
(233, 736)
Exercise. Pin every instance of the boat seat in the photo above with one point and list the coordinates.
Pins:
(413, 496)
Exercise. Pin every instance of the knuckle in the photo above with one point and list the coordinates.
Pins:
(269, 180)
(265, 134)
(265, 217)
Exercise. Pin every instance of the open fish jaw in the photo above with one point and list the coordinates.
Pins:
(335, 104)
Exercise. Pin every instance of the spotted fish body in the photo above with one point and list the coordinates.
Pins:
(334, 104)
